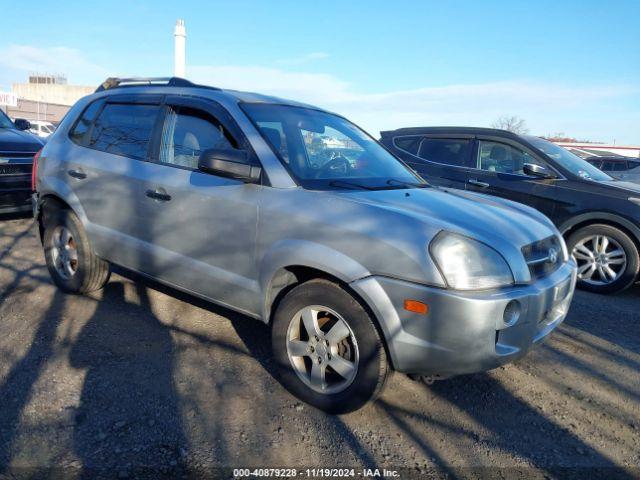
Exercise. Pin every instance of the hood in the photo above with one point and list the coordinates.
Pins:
(17, 141)
(488, 219)
(632, 188)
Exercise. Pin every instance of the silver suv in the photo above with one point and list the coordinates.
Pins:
(294, 216)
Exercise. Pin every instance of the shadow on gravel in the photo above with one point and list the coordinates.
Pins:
(624, 331)
(16, 391)
(256, 337)
(5, 217)
(519, 428)
(129, 419)
(19, 275)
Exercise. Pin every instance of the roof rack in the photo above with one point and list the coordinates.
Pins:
(115, 82)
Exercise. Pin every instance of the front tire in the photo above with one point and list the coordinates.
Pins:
(607, 258)
(327, 348)
(71, 262)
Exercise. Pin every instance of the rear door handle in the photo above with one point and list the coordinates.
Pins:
(159, 195)
(478, 183)
(79, 174)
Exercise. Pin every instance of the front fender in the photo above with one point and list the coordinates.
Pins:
(288, 253)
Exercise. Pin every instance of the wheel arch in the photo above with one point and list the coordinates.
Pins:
(290, 276)
(612, 220)
(288, 261)
(48, 203)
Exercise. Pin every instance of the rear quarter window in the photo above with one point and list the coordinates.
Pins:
(80, 132)
(407, 144)
(124, 129)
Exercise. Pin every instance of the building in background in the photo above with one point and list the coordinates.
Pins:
(600, 149)
(45, 98)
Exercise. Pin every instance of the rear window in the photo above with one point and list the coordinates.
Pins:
(124, 129)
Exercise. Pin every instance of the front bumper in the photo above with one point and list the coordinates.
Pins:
(15, 192)
(465, 332)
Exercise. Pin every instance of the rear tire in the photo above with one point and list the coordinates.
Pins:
(72, 264)
(607, 258)
(342, 363)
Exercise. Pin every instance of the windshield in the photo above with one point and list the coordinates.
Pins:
(325, 151)
(4, 121)
(568, 160)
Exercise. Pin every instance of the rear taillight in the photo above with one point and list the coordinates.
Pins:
(34, 171)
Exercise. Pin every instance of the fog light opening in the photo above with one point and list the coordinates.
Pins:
(511, 313)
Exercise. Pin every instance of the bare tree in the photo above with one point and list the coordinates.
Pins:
(512, 123)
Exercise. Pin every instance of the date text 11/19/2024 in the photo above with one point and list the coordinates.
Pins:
(315, 472)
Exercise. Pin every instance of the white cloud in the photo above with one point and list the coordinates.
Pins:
(595, 112)
(546, 107)
(17, 61)
(309, 57)
(307, 87)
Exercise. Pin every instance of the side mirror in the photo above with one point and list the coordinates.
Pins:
(229, 163)
(22, 124)
(539, 171)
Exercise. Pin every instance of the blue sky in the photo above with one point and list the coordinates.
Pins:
(570, 66)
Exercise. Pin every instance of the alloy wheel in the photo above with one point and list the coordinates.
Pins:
(64, 252)
(601, 259)
(322, 349)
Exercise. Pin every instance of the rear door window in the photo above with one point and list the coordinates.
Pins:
(124, 129)
(619, 166)
(448, 151)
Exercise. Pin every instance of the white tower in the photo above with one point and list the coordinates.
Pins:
(180, 38)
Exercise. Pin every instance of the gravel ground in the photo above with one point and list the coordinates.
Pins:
(138, 378)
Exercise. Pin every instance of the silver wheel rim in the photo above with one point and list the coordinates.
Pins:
(601, 260)
(322, 349)
(64, 252)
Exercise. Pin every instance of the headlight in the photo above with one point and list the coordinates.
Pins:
(467, 264)
(635, 200)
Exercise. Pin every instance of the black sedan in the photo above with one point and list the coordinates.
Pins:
(598, 215)
(17, 148)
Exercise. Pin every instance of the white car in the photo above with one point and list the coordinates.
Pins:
(41, 128)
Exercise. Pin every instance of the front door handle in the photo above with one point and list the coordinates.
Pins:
(478, 183)
(159, 195)
(79, 174)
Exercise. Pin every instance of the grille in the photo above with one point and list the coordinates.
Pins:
(540, 256)
(15, 168)
(4, 154)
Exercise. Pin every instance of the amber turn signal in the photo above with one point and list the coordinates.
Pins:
(416, 307)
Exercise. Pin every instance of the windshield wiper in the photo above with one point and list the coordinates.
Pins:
(395, 181)
(349, 185)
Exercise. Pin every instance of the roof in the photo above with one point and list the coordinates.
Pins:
(450, 130)
(252, 97)
(181, 85)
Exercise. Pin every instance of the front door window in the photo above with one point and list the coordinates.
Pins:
(502, 158)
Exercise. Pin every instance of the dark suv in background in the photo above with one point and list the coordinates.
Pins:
(599, 216)
(17, 148)
(621, 168)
